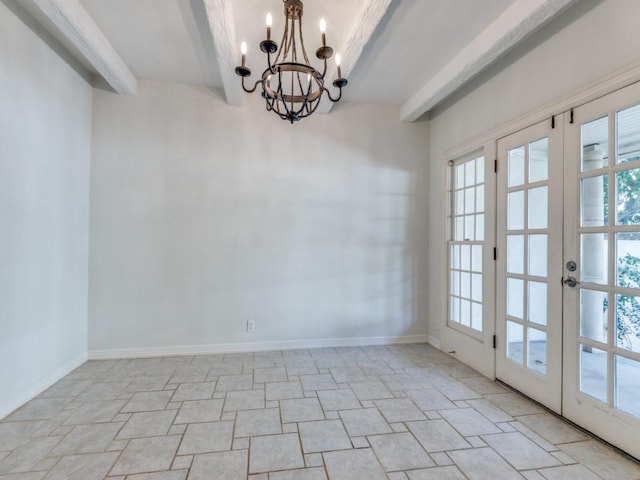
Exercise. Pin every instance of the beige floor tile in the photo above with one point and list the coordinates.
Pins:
(602, 460)
(206, 438)
(172, 475)
(438, 473)
(95, 412)
(194, 391)
(251, 423)
(247, 400)
(352, 464)
(332, 400)
(483, 464)
(366, 421)
(323, 436)
(94, 466)
(144, 455)
(568, 472)
(275, 452)
(469, 422)
(301, 410)
(318, 382)
(227, 383)
(147, 401)
(520, 452)
(430, 399)
(226, 465)
(27, 455)
(437, 436)
(551, 428)
(283, 390)
(93, 438)
(148, 424)
(198, 411)
(304, 474)
(399, 451)
(372, 390)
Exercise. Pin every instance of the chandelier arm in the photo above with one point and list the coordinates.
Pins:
(334, 100)
(324, 70)
(304, 50)
(250, 90)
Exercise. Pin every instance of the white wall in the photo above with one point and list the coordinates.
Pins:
(45, 117)
(205, 216)
(587, 43)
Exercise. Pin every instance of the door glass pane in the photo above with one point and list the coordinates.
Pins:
(627, 139)
(516, 167)
(459, 228)
(465, 257)
(515, 205)
(476, 287)
(538, 255)
(595, 144)
(538, 207)
(470, 200)
(628, 260)
(537, 350)
(479, 228)
(515, 298)
(537, 303)
(460, 202)
(539, 160)
(593, 315)
(476, 258)
(465, 312)
(593, 372)
(465, 285)
(460, 176)
(628, 322)
(514, 342)
(455, 309)
(515, 254)
(628, 197)
(455, 282)
(455, 256)
(627, 390)
(469, 227)
(470, 173)
(594, 208)
(594, 257)
(480, 170)
(480, 198)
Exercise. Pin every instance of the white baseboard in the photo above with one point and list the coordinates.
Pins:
(251, 347)
(36, 389)
(434, 342)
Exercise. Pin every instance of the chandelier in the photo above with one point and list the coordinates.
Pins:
(291, 86)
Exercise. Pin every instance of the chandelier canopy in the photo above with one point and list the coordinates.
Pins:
(291, 86)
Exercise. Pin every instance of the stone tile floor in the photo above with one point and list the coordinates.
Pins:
(397, 413)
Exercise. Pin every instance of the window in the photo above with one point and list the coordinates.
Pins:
(466, 240)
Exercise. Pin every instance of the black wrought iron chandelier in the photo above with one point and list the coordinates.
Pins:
(291, 86)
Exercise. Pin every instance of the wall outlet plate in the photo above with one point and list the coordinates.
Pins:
(251, 326)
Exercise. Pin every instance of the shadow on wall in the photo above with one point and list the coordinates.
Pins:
(217, 216)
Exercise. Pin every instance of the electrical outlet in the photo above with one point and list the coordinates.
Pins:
(251, 326)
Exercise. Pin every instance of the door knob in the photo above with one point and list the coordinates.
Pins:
(571, 281)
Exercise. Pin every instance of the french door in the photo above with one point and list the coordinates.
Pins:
(568, 271)
(529, 301)
(602, 239)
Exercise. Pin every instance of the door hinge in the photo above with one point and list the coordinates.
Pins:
(495, 253)
(571, 116)
(553, 121)
(495, 342)
(495, 166)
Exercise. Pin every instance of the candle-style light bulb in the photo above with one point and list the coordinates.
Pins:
(243, 50)
(338, 62)
(323, 29)
(269, 23)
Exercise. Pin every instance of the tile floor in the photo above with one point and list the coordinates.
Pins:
(396, 413)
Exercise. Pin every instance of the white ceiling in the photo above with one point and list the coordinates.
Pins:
(172, 40)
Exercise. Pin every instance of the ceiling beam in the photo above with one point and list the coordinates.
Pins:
(366, 21)
(221, 26)
(77, 26)
(510, 28)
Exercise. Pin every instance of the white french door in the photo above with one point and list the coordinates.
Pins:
(602, 239)
(529, 263)
(568, 269)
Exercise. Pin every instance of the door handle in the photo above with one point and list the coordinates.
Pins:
(571, 282)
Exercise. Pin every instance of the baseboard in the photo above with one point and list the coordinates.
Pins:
(36, 389)
(251, 347)
(434, 342)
